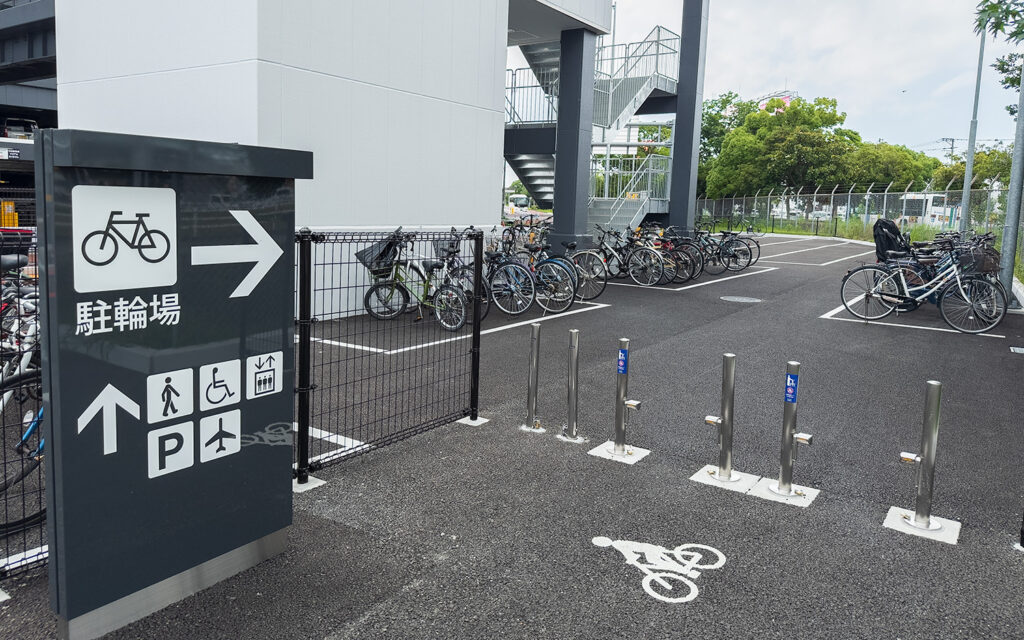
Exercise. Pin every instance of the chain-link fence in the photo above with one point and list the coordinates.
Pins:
(850, 213)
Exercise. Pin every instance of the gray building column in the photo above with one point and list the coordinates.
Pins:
(574, 135)
(689, 104)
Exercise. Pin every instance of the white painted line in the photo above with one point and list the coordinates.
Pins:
(799, 264)
(1016, 349)
(787, 253)
(741, 275)
(802, 496)
(591, 306)
(914, 326)
(349, 345)
(633, 454)
(947, 531)
(825, 264)
(4, 596)
(841, 307)
(25, 558)
(772, 244)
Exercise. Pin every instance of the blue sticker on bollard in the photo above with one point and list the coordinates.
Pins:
(623, 360)
(791, 384)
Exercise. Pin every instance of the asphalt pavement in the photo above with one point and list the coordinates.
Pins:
(488, 531)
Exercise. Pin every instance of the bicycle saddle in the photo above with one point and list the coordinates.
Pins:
(12, 261)
(569, 245)
(492, 255)
(28, 291)
(432, 265)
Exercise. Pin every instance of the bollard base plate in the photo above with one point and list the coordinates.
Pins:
(473, 423)
(902, 519)
(313, 483)
(607, 451)
(577, 440)
(801, 496)
(1016, 546)
(529, 429)
(739, 482)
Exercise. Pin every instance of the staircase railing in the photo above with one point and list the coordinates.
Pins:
(526, 101)
(644, 61)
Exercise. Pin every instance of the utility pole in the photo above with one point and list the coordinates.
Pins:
(952, 146)
(965, 205)
(1009, 248)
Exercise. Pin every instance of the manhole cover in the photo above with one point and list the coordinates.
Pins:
(740, 299)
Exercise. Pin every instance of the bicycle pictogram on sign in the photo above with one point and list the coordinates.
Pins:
(100, 247)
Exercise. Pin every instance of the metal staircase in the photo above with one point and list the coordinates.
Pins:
(626, 75)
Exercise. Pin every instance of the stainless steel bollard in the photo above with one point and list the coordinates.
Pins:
(622, 405)
(569, 431)
(926, 459)
(724, 422)
(532, 421)
(790, 438)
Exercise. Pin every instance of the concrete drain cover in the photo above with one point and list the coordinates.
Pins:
(740, 299)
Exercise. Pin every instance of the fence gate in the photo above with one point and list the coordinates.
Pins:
(379, 356)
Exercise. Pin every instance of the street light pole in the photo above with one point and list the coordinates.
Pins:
(1009, 249)
(965, 204)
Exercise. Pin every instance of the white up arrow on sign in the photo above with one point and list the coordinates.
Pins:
(264, 253)
(108, 401)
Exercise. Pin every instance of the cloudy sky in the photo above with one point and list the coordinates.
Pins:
(902, 70)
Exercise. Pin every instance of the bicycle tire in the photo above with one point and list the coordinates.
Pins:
(696, 255)
(464, 276)
(863, 296)
(755, 249)
(669, 268)
(450, 307)
(555, 291)
(592, 273)
(983, 308)
(644, 267)
(714, 262)
(20, 474)
(736, 255)
(684, 266)
(23, 524)
(380, 300)
(512, 288)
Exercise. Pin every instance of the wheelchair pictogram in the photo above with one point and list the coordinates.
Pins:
(668, 575)
(218, 390)
(100, 247)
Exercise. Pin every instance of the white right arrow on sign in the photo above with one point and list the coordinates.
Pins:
(108, 401)
(264, 253)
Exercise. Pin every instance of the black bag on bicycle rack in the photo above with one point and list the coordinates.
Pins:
(379, 258)
(888, 238)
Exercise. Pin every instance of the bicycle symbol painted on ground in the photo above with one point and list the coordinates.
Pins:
(668, 575)
(99, 248)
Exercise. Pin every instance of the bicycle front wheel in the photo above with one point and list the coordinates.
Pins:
(512, 288)
(644, 267)
(591, 274)
(736, 255)
(977, 307)
(869, 292)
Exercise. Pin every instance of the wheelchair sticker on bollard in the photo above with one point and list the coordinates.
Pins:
(668, 575)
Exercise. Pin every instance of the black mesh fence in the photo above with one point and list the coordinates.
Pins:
(22, 480)
(391, 338)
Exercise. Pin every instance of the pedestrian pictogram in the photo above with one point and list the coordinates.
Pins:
(263, 375)
(220, 384)
(124, 237)
(169, 395)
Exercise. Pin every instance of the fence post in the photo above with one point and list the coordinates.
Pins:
(305, 241)
(478, 276)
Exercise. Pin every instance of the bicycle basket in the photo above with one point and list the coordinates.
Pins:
(443, 247)
(980, 260)
(379, 258)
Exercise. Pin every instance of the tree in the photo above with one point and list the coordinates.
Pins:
(883, 163)
(517, 187)
(1004, 17)
(1009, 69)
(990, 164)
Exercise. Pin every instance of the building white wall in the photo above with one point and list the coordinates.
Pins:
(400, 101)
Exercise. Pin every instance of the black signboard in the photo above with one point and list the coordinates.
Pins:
(167, 271)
